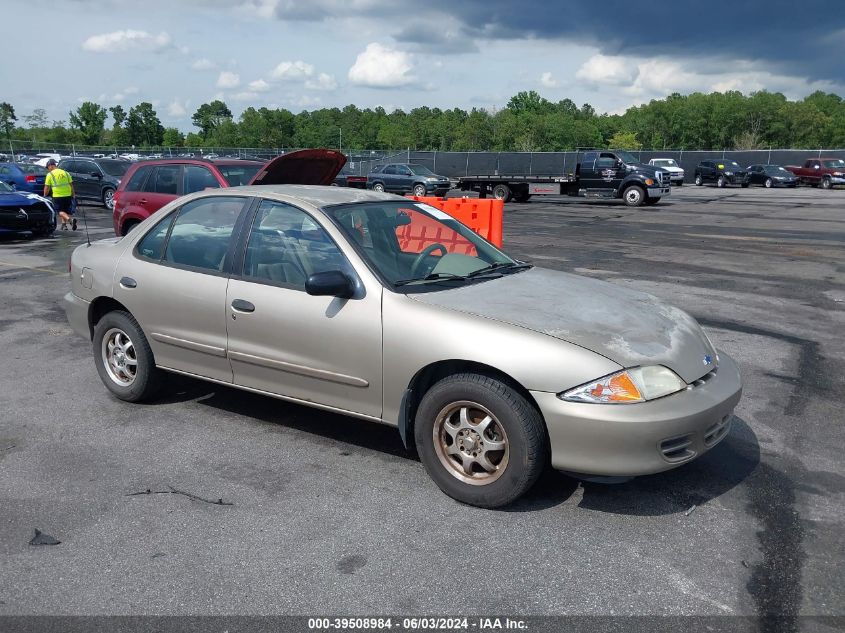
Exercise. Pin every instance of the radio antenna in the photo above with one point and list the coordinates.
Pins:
(84, 220)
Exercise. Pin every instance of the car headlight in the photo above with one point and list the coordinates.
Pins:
(837, 173)
(729, 173)
(628, 386)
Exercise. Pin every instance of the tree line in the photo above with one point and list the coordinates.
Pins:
(529, 122)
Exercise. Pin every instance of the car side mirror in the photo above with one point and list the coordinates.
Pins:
(332, 283)
(96, 174)
(619, 164)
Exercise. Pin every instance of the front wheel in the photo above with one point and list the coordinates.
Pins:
(721, 181)
(769, 183)
(108, 199)
(502, 192)
(634, 196)
(124, 359)
(827, 183)
(699, 180)
(419, 191)
(480, 440)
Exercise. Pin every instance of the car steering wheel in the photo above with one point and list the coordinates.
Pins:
(428, 250)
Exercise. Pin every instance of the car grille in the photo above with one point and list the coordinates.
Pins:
(718, 431)
(677, 449)
(24, 218)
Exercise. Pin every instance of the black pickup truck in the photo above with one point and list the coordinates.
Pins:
(598, 174)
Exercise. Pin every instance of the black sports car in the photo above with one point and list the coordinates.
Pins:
(771, 176)
(22, 212)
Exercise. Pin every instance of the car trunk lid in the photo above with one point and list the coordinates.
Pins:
(303, 167)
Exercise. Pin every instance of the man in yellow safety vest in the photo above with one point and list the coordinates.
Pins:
(59, 185)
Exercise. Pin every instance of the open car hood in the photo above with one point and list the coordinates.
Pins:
(303, 167)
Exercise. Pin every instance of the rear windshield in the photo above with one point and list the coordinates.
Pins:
(32, 169)
(115, 167)
(237, 175)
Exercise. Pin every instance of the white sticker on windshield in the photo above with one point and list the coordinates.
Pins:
(434, 211)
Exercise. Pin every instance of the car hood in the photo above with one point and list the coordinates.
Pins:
(19, 198)
(630, 328)
(303, 167)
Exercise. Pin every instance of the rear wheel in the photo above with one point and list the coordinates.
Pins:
(129, 225)
(378, 187)
(827, 183)
(769, 183)
(123, 357)
(480, 440)
(108, 199)
(699, 180)
(502, 192)
(634, 196)
(419, 191)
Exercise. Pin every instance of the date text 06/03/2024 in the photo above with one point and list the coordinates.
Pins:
(417, 624)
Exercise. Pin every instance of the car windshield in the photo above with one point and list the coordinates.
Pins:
(626, 157)
(729, 163)
(237, 175)
(834, 163)
(419, 247)
(114, 168)
(4, 188)
(666, 162)
(421, 170)
(775, 169)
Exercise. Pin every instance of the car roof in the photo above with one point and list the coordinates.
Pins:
(199, 161)
(314, 195)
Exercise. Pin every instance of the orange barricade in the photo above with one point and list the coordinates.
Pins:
(484, 216)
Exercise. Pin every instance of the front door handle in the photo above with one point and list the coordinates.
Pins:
(143, 201)
(242, 306)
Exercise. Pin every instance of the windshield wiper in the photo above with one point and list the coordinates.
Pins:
(432, 277)
(501, 266)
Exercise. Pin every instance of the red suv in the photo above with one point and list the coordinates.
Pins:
(149, 185)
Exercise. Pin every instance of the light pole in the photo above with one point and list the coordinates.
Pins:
(340, 139)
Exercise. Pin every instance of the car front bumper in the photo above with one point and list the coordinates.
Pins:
(658, 192)
(77, 314)
(643, 438)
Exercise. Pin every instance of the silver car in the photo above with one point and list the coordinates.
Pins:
(386, 309)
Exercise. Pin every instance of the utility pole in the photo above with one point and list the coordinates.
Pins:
(340, 139)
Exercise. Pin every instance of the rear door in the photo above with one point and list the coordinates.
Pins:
(85, 184)
(162, 186)
(404, 179)
(389, 177)
(174, 282)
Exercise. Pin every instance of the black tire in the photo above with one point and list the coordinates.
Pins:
(769, 183)
(721, 182)
(745, 185)
(826, 183)
(514, 423)
(502, 192)
(108, 198)
(634, 196)
(146, 380)
(378, 187)
(698, 180)
(680, 183)
(419, 190)
(650, 202)
(129, 225)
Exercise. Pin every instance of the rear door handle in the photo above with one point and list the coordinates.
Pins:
(242, 306)
(143, 201)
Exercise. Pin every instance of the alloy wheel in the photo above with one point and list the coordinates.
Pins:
(471, 443)
(119, 358)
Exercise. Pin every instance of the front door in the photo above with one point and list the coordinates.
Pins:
(83, 181)
(176, 287)
(603, 174)
(282, 340)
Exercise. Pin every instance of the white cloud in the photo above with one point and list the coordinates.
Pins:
(128, 40)
(177, 110)
(259, 85)
(292, 70)
(548, 81)
(324, 81)
(204, 64)
(381, 67)
(307, 102)
(247, 95)
(119, 96)
(608, 70)
(228, 80)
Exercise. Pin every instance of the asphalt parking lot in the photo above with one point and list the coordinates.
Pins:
(329, 515)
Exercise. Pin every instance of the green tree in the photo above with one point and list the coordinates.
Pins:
(89, 119)
(210, 115)
(624, 140)
(172, 137)
(143, 126)
(7, 119)
(527, 101)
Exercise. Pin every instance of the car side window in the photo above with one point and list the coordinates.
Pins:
(202, 232)
(403, 171)
(198, 178)
(136, 183)
(151, 245)
(164, 180)
(286, 246)
(390, 169)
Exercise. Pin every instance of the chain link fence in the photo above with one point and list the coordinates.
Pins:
(451, 164)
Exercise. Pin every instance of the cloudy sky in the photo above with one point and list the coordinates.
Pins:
(402, 54)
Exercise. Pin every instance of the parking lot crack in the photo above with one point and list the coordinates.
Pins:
(173, 491)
